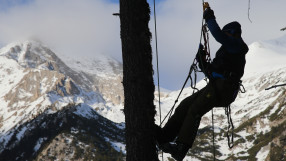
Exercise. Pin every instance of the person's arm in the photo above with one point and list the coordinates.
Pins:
(230, 43)
(217, 32)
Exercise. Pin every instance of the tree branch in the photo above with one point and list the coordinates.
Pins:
(279, 85)
(249, 11)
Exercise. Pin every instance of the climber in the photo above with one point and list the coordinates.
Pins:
(224, 73)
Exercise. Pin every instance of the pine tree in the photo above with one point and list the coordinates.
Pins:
(138, 81)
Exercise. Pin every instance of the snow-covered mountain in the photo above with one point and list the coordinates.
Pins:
(57, 107)
(41, 95)
(259, 115)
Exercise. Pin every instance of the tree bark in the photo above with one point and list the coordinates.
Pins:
(138, 81)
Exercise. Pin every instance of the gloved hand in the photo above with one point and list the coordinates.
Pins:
(208, 14)
(201, 54)
(201, 59)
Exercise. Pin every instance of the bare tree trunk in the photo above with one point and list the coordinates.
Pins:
(138, 81)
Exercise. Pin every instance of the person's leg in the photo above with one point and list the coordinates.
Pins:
(204, 102)
(173, 126)
(215, 94)
(189, 123)
(218, 93)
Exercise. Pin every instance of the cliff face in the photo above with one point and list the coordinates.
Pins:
(50, 110)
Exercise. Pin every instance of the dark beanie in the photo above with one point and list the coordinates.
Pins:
(233, 28)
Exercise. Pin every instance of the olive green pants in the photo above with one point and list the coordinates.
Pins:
(185, 122)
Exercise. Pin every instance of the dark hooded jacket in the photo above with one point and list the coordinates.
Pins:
(230, 58)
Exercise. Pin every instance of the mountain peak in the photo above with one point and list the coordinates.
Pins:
(29, 53)
(265, 56)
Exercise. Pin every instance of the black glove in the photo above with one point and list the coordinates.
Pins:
(201, 54)
(209, 14)
(201, 59)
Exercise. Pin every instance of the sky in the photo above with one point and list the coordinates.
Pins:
(87, 27)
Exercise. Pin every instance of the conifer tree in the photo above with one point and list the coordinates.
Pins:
(138, 81)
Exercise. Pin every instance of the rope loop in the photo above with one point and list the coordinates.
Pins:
(229, 134)
(241, 88)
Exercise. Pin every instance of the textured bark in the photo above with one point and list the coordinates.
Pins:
(138, 81)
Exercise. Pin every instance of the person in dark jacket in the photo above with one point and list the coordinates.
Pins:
(224, 73)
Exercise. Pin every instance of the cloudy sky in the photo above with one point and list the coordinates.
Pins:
(87, 27)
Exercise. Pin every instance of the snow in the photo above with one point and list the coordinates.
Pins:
(263, 153)
(121, 125)
(74, 131)
(21, 133)
(85, 111)
(273, 110)
(39, 144)
(112, 112)
(265, 56)
(12, 70)
(5, 139)
(120, 147)
(265, 67)
(99, 65)
(167, 155)
(260, 128)
(10, 74)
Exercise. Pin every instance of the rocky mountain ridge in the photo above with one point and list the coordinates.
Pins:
(54, 106)
(40, 98)
(74, 132)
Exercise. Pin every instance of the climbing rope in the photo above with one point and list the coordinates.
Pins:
(205, 35)
(157, 58)
(193, 85)
(213, 135)
(157, 62)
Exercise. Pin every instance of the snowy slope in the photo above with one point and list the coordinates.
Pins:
(100, 65)
(35, 80)
(93, 76)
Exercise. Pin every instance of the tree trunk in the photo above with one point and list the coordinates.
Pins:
(138, 81)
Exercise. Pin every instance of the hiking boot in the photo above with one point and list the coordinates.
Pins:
(177, 150)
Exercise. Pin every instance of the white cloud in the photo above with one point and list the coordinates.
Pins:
(68, 26)
(78, 27)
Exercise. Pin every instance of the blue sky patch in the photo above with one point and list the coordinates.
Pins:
(6, 4)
